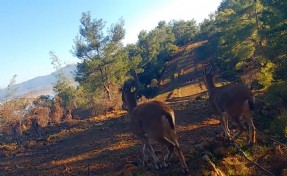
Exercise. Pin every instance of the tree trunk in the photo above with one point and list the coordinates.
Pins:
(106, 88)
(108, 92)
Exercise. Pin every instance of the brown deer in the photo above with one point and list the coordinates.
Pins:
(233, 102)
(152, 121)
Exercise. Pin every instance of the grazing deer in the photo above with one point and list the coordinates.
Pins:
(152, 121)
(234, 102)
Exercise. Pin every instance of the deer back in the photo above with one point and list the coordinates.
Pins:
(154, 118)
(230, 98)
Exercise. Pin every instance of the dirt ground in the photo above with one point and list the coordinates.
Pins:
(103, 145)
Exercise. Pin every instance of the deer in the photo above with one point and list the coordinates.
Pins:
(234, 102)
(152, 121)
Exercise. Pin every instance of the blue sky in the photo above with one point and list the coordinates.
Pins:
(31, 28)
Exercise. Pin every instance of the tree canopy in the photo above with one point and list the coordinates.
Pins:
(105, 62)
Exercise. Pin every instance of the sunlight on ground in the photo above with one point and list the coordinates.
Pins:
(189, 127)
(121, 145)
(110, 115)
(85, 125)
(65, 133)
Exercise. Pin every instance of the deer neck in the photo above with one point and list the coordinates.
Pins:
(131, 105)
(209, 85)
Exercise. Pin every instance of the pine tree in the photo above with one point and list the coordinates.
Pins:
(104, 60)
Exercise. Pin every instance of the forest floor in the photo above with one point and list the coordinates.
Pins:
(103, 145)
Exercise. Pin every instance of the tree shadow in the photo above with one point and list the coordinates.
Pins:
(186, 68)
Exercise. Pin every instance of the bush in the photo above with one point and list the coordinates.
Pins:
(57, 113)
(41, 115)
(11, 114)
(277, 98)
(277, 95)
(279, 125)
(265, 76)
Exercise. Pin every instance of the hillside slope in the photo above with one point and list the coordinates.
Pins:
(103, 145)
(42, 85)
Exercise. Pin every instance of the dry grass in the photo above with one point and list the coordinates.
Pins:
(57, 113)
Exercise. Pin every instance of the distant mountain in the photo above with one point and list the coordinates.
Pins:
(42, 85)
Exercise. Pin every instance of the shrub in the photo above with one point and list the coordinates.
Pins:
(41, 115)
(277, 95)
(265, 77)
(277, 98)
(279, 125)
(57, 113)
(11, 113)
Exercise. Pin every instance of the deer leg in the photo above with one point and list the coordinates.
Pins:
(181, 158)
(170, 147)
(251, 128)
(151, 152)
(239, 126)
(224, 124)
(145, 155)
(173, 144)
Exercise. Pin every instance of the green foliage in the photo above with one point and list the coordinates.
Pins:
(157, 46)
(249, 37)
(277, 95)
(184, 31)
(265, 77)
(280, 73)
(279, 125)
(105, 62)
(239, 33)
(247, 33)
